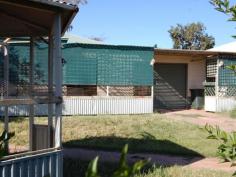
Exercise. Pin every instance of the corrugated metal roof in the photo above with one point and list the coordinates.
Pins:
(77, 39)
(191, 52)
(59, 2)
(68, 2)
(229, 47)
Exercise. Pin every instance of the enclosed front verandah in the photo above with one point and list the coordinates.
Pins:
(24, 19)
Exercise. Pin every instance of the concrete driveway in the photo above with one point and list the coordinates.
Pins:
(200, 117)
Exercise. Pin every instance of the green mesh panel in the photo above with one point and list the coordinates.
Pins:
(41, 65)
(108, 65)
(226, 76)
(80, 66)
(18, 68)
(86, 64)
(19, 64)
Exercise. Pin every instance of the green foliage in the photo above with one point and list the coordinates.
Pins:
(232, 68)
(191, 36)
(123, 170)
(225, 7)
(4, 138)
(227, 148)
(92, 169)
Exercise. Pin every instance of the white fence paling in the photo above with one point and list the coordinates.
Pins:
(91, 106)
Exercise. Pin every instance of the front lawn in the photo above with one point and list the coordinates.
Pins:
(144, 133)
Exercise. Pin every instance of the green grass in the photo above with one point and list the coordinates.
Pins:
(77, 168)
(143, 133)
(184, 172)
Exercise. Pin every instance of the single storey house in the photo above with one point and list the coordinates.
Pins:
(109, 79)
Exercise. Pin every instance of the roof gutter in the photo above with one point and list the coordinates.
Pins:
(190, 52)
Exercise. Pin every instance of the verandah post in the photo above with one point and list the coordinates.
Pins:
(50, 87)
(31, 92)
(6, 86)
(58, 78)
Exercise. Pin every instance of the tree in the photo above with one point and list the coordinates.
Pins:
(191, 36)
(226, 8)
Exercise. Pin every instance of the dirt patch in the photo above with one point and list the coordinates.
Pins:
(200, 117)
(212, 164)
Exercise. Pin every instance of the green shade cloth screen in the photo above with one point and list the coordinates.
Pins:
(107, 65)
(226, 76)
(85, 64)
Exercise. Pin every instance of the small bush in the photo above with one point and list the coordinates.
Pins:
(4, 138)
(227, 148)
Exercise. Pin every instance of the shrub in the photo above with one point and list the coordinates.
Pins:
(4, 138)
(227, 148)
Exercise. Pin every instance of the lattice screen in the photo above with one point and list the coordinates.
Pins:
(229, 91)
(210, 91)
(211, 69)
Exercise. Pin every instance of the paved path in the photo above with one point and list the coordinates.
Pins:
(165, 160)
(200, 117)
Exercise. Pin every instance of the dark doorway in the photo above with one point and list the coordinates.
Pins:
(170, 86)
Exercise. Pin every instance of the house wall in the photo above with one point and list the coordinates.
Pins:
(196, 69)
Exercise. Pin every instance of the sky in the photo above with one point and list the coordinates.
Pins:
(146, 22)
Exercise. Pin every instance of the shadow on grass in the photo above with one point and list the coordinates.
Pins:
(77, 158)
(146, 145)
(163, 111)
(78, 168)
(77, 162)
